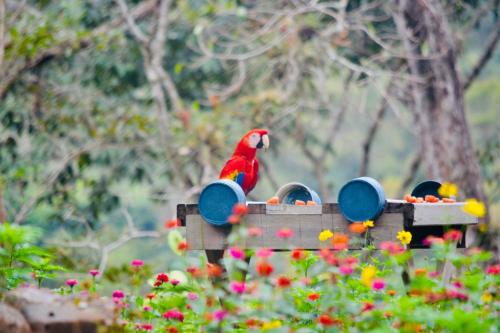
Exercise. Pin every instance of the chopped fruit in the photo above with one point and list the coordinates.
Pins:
(273, 201)
(431, 198)
(299, 203)
(448, 200)
(419, 200)
(311, 203)
(410, 198)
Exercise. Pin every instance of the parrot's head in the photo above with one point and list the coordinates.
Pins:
(253, 140)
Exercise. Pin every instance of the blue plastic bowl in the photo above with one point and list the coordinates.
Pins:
(217, 200)
(291, 192)
(428, 187)
(361, 199)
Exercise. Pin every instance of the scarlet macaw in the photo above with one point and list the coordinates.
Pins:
(243, 166)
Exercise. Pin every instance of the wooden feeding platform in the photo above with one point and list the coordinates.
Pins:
(421, 219)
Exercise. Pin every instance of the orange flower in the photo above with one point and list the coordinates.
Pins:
(391, 292)
(183, 246)
(420, 272)
(233, 219)
(298, 254)
(214, 270)
(240, 209)
(327, 320)
(340, 241)
(357, 228)
(313, 296)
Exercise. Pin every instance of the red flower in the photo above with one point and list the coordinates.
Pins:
(150, 295)
(194, 271)
(313, 296)
(493, 269)
(172, 223)
(284, 233)
(298, 254)
(240, 209)
(145, 327)
(452, 235)
(327, 320)
(264, 268)
(160, 279)
(172, 329)
(283, 282)
(368, 306)
(174, 314)
(183, 246)
(252, 322)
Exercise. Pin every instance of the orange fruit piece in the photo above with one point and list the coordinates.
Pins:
(273, 201)
(431, 198)
(448, 200)
(311, 203)
(299, 203)
(409, 198)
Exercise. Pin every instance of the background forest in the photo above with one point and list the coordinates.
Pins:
(112, 112)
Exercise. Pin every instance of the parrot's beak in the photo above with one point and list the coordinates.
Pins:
(265, 141)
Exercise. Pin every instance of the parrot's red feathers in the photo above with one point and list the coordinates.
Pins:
(243, 166)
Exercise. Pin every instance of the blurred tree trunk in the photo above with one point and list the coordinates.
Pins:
(437, 95)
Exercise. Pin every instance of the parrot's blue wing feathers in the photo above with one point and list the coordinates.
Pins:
(240, 178)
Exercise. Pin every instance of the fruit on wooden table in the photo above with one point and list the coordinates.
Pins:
(299, 203)
(273, 201)
(311, 203)
(431, 198)
(448, 200)
(409, 198)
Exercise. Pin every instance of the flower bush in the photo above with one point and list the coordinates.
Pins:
(332, 290)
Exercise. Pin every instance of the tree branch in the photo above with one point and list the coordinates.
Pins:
(485, 57)
(410, 173)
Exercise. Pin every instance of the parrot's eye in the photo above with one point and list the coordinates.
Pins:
(254, 140)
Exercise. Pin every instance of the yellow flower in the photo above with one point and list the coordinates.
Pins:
(475, 207)
(448, 190)
(367, 275)
(368, 224)
(325, 234)
(271, 325)
(404, 237)
(487, 297)
(483, 227)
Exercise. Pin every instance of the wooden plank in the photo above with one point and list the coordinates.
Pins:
(386, 228)
(441, 214)
(293, 210)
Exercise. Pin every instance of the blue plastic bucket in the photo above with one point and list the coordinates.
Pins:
(217, 200)
(361, 199)
(291, 192)
(428, 187)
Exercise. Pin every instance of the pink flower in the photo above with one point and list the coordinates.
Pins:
(346, 269)
(434, 274)
(284, 233)
(392, 247)
(431, 240)
(94, 272)
(137, 263)
(452, 235)
(192, 296)
(238, 287)
(493, 269)
(378, 284)
(174, 282)
(174, 314)
(264, 253)
(118, 294)
(237, 253)
(145, 327)
(454, 294)
(220, 314)
(254, 232)
(71, 282)
(147, 308)
(458, 284)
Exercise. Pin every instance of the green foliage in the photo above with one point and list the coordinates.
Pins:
(20, 259)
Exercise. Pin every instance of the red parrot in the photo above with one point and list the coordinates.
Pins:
(243, 166)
